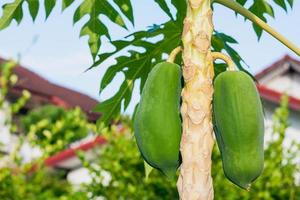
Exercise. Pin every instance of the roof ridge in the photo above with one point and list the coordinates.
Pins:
(274, 65)
(40, 87)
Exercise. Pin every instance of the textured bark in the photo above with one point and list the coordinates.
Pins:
(195, 182)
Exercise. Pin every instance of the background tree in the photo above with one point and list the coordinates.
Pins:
(53, 128)
(138, 64)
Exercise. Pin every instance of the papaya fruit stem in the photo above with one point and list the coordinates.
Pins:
(255, 19)
(173, 54)
(197, 141)
(227, 59)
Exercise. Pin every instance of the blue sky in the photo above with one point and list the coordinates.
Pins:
(61, 56)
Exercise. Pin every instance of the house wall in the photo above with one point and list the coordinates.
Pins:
(292, 132)
(289, 83)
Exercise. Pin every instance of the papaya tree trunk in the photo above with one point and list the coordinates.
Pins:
(195, 182)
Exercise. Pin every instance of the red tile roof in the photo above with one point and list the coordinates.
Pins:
(272, 95)
(71, 152)
(48, 92)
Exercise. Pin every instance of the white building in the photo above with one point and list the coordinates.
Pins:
(282, 77)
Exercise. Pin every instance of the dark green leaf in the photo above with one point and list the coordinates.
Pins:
(33, 8)
(126, 7)
(219, 68)
(220, 41)
(291, 2)
(180, 8)
(111, 107)
(242, 2)
(49, 5)
(11, 11)
(281, 3)
(262, 7)
(137, 65)
(164, 7)
(66, 3)
(94, 28)
(259, 8)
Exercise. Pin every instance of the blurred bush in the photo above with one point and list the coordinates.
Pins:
(53, 128)
(118, 172)
(40, 185)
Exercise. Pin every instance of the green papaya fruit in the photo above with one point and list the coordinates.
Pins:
(157, 123)
(239, 127)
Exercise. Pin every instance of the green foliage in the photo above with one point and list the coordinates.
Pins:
(137, 65)
(117, 11)
(262, 7)
(53, 128)
(41, 185)
(7, 80)
(121, 159)
(19, 182)
(95, 28)
(146, 48)
(221, 41)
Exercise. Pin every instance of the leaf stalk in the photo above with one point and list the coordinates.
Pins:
(173, 54)
(252, 17)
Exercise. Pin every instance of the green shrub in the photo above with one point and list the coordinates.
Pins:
(53, 128)
(122, 160)
(40, 185)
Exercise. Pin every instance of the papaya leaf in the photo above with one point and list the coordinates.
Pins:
(281, 3)
(291, 3)
(49, 5)
(66, 4)
(136, 65)
(164, 6)
(111, 107)
(126, 8)
(261, 8)
(242, 2)
(116, 11)
(181, 8)
(179, 5)
(219, 68)
(11, 11)
(221, 41)
(34, 6)
(94, 28)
